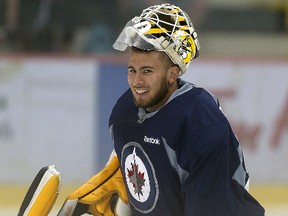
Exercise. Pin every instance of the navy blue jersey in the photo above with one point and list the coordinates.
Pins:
(182, 159)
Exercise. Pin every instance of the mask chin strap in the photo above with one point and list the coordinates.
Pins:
(169, 50)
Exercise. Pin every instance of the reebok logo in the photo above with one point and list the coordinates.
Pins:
(151, 140)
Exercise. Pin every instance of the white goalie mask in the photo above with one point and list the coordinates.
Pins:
(164, 28)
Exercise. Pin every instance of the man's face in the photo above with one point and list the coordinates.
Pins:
(150, 79)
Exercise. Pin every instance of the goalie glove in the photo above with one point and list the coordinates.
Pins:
(102, 195)
(42, 193)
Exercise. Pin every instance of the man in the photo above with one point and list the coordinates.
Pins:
(177, 152)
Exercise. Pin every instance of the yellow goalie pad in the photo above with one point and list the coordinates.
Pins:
(102, 194)
(42, 193)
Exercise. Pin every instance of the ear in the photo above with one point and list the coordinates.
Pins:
(174, 72)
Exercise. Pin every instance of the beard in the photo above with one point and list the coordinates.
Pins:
(156, 100)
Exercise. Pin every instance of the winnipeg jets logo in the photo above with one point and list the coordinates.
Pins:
(136, 177)
(140, 178)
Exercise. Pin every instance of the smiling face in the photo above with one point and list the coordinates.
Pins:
(152, 78)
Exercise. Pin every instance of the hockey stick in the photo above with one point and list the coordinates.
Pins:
(42, 193)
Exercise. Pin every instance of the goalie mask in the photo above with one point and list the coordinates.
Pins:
(164, 28)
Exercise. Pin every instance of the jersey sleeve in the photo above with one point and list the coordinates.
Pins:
(209, 152)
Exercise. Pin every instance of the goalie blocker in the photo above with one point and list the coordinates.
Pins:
(102, 195)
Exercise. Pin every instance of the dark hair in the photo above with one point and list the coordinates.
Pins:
(167, 61)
